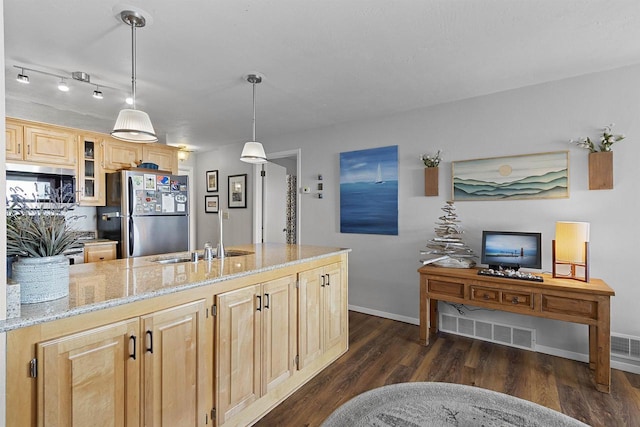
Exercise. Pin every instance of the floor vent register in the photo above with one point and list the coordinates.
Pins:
(489, 331)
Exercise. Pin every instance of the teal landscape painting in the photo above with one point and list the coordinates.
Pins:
(369, 191)
(532, 176)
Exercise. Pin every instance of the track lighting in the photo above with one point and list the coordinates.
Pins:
(62, 86)
(22, 77)
(76, 76)
(97, 94)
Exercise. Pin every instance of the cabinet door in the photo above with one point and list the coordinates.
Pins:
(237, 350)
(164, 156)
(90, 376)
(14, 141)
(310, 332)
(90, 177)
(175, 374)
(279, 331)
(50, 145)
(335, 303)
(120, 154)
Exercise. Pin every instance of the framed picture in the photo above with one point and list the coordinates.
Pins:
(238, 191)
(211, 204)
(212, 181)
(529, 176)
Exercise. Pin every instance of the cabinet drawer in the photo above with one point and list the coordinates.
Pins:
(516, 298)
(100, 253)
(446, 288)
(484, 294)
(570, 306)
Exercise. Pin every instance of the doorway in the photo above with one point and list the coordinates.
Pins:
(276, 215)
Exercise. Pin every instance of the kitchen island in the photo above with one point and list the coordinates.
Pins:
(144, 342)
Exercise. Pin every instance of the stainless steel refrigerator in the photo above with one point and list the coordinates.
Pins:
(146, 212)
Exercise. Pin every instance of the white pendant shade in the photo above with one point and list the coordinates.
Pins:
(253, 152)
(134, 126)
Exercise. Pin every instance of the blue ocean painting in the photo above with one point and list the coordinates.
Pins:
(533, 176)
(508, 249)
(369, 191)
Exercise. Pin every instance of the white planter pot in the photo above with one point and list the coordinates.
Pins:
(42, 279)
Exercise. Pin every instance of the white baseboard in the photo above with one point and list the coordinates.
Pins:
(580, 357)
(384, 314)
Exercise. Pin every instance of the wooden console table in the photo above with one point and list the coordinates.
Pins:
(560, 299)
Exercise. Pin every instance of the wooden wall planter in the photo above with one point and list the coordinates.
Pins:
(601, 170)
(431, 181)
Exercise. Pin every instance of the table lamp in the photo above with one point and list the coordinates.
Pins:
(571, 248)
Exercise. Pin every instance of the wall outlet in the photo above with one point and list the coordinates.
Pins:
(225, 215)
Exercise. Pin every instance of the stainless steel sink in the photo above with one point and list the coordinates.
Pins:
(172, 260)
(229, 253)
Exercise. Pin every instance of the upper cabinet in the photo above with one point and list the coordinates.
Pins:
(14, 140)
(124, 155)
(121, 154)
(165, 156)
(39, 143)
(90, 177)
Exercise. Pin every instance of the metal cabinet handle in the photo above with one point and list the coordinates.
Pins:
(324, 281)
(149, 335)
(19, 148)
(485, 296)
(328, 279)
(514, 300)
(259, 297)
(133, 354)
(266, 300)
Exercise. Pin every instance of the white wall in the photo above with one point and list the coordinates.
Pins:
(542, 118)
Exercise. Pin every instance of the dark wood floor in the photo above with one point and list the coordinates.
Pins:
(384, 351)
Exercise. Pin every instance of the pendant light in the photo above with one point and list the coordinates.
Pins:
(253, 151)
(133, 125)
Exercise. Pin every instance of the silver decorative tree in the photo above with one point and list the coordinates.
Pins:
(447, 249)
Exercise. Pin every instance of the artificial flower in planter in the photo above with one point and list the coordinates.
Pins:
(38, 233)
(431, 173)
(600, 158)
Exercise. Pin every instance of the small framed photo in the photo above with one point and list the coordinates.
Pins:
(238, 191)
(212, 181)
(211, 204)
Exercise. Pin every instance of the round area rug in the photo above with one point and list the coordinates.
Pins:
(443, 404)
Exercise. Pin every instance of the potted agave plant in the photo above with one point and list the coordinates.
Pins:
(37, 235)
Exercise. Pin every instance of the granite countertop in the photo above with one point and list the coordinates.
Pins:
(100, 285)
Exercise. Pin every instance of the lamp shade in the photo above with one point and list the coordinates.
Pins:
(570, 241)
(134, 126)
(253, 152)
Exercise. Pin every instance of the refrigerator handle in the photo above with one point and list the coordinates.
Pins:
(130, 193)
(131, 236)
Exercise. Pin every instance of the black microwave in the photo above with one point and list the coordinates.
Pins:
(41, 184)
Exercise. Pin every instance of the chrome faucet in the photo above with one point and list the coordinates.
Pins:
(220, 247)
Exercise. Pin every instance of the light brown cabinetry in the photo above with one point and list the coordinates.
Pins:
(127, 375)
(323, 314)
(255, 330)
(41, 144)
(100, 251)
(14, 137)
(90, 179)
(120, 154)
(175, 368)
(165, 156)
(89, 376)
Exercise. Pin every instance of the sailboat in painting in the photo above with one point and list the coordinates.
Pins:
(379, 176)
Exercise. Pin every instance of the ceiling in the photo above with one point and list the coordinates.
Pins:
(324, 62)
